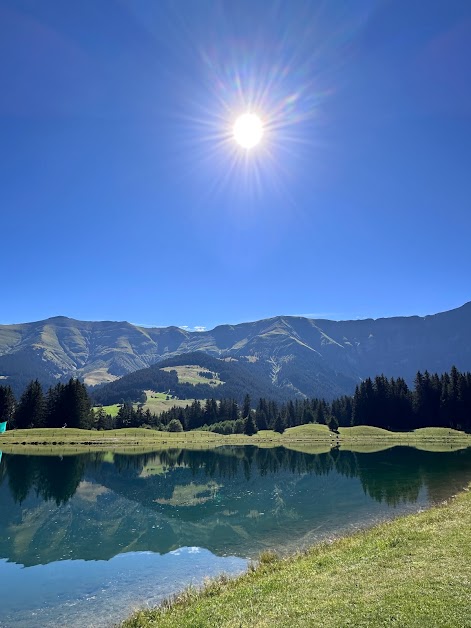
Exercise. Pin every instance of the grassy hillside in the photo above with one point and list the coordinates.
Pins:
(156, 402)
(291, 354)
(369, 433)
(194, 374)
(411, 572)
(159, 402)
(181, 377)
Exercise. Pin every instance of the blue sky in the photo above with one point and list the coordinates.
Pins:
(123, 195)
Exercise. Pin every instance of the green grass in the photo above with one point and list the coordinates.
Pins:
(310, 430)
(414, 571)
(308, 438)
(111, 410)
(362, 431)
(158, 402)
(368, 433)
(189, 374)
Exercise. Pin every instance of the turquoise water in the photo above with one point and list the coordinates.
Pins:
(85, 539)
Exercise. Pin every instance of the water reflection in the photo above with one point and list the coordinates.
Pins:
(52, 478)
(231, 500)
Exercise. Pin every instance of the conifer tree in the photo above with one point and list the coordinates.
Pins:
(31, 407)
(246, 407)
(76, 405)
(100, 419)
(279, 425)
(125, 416)
(234, 410)
(7, 404)
(250, 426)
(55, 407)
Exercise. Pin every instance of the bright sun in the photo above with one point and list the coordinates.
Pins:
(248, 130)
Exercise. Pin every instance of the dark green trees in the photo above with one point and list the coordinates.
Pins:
(55, 406)
(65, 404)
(436, 401)
(75, 405)
(246, 407)
(101, 420)
(7, 404)
(125, 416)
(175, 426)
(279, 425)
(250, 426)
(31, 408)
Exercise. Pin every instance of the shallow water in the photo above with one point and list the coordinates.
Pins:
(86, 539)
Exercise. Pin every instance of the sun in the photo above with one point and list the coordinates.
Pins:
(248, 130)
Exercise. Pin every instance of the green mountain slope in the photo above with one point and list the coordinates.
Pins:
(237, 379)
(298, 356)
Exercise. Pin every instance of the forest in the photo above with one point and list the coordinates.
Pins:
(434, 401)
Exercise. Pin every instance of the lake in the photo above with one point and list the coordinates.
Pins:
(85, 539)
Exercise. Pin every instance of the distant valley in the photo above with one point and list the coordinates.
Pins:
(281, 357)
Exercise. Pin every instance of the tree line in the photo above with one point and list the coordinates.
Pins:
(62, 405)
(435, 401)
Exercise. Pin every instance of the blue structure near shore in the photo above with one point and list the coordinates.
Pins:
(3, 427)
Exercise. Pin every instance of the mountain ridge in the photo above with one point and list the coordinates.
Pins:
(304, 356)
(467, 304)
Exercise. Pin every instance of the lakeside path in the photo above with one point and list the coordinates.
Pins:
(414, 571)
(312, 438)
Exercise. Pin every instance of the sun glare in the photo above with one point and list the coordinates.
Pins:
(248, 130)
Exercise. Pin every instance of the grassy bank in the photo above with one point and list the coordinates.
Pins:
(411, 572)
(309, 438)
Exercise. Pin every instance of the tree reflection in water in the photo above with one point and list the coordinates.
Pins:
(392, 476)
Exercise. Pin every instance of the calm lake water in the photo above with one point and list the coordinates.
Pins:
(87, 538)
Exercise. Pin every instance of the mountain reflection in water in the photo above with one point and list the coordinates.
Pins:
(230, 500)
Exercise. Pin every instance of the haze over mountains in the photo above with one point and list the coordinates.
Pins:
(293, 356)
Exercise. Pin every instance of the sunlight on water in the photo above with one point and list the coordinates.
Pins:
(99, 593)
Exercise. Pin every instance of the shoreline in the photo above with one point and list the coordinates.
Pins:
(414, 570)
(311, 438)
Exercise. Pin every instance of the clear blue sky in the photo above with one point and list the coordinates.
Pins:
(123, 195)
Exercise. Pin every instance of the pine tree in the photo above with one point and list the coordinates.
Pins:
(234, 410)
(291, 414)
(7, 404)
(100, 419)
(250, 427)
(55, 411)
(246, 407)
(261, 414)
(279, 425)
(321, 415)
(125, 416)
(210, 412)
(31, 407)
(76, 405)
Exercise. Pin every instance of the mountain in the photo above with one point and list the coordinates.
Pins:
(294, 355)
(97, 352)
(186, 377)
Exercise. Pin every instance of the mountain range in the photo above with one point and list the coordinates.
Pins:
(291, 355)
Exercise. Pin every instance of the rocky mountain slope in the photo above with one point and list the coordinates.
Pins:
(298, 356)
